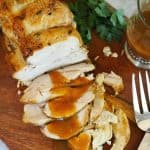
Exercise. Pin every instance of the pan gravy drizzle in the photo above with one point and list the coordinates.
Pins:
(82, 142)
(59, 80)
(65, 128)
(65, 106)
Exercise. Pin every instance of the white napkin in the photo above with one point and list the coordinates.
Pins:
(145, 143)
(129, 6)
(3, 146)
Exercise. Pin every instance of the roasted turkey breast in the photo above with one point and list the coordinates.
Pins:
(33, 114)
(30, 26)
(62, 96)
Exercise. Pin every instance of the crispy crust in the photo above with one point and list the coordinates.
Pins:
(44, 38)
(18, 51)
(13, 12)
(119, 103)
(14, 55)
(121, 131)
(80, 142)
(39, 15)
(9, 7)
(47, 15)
(31, 19)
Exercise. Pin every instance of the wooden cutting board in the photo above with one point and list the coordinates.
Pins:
(20, 136)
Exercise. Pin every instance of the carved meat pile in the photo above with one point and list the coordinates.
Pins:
(62, 96)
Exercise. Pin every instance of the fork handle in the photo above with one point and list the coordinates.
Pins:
(145, 144)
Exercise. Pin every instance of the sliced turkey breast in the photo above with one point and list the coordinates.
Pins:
(50, 49)
(44, 92)
(80, 142)
(65, 129)
(68, 105)
(33, 114)
(29, 72)
(45, 43)
(43, 88)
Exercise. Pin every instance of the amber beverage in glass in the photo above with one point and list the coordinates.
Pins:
(138, 36)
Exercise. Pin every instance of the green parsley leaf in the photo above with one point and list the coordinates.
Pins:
(120, 17)
(85, 33)
(102, 30)
(92, 20)
(109, 37)
(92, 3)
(113, 19)
(102, 10)
(95, 14)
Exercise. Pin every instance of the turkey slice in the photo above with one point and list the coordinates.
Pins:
(65, 129)
(73, 71)
(30, 72)
(40, 89)
(98, 105)
(33, 114)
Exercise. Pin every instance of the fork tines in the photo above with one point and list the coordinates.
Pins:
(144, 100)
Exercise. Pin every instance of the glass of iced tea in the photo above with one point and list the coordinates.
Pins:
(137, 47)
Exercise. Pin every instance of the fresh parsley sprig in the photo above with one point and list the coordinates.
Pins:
(96, 14)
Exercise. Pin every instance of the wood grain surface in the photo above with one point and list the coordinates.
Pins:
(20, 136)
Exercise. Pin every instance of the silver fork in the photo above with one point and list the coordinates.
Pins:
(142, 118)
